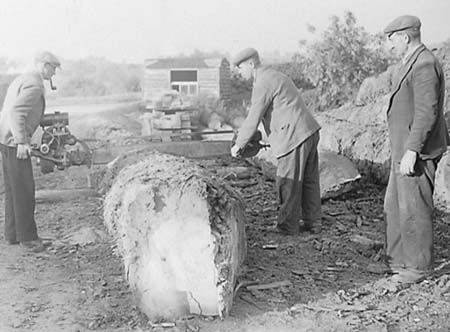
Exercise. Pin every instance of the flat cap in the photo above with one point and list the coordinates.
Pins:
(404, 22)
(245, 54)
(47, 57)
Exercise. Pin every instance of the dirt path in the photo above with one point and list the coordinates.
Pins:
(64, 288)
(38, 294)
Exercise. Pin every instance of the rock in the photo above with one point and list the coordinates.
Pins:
(180, 232)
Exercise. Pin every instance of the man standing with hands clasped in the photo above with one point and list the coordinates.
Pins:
(418, 138)
(293, 134)
(22, 111)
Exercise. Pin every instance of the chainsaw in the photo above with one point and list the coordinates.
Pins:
(58, 147)
(252, 148)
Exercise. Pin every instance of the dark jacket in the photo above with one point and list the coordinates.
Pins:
(277, 102)
(415, 112)
(22, 110)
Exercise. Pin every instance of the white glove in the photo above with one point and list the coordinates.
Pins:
(234, 151)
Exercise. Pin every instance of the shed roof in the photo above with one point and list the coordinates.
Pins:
(194, 63)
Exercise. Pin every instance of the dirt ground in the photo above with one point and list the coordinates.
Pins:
(318, 283)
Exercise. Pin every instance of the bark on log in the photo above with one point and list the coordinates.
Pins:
(181, 235)
(101, 178)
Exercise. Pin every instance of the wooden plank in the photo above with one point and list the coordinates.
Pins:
(189, 149)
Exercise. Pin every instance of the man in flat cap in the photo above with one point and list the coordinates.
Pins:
(22, 111)
(293, 134)
(418, 138)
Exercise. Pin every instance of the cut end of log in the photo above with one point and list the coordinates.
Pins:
(181, 235)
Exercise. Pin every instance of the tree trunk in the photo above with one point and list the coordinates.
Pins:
(181, 235)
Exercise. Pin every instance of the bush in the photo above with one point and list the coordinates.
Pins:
(241, 90)
(339, 62)
(98, 77)
(296, 72)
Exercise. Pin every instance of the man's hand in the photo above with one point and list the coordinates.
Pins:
(234, 151)
(408, 162)
(23, 151)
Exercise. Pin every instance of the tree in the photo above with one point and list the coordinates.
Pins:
(339, 62)
(296, 71)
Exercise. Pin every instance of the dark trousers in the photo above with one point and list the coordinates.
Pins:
(19, 197)
(298, 186)
(408, 207)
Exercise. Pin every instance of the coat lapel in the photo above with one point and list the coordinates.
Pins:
(403, 72)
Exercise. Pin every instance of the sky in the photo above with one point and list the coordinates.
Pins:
(134, 30)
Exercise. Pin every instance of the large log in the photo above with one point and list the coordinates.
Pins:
(181, 234)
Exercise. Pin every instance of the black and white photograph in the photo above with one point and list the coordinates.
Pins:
(224, 166)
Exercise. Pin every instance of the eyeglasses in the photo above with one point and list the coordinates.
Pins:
(51, 65)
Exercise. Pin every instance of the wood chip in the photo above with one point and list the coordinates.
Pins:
(333, 269)
(276, 284)
(164, 325)
(335, 307)
(300, 272)
(270, 246)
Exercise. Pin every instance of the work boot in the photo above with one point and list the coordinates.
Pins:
(285, 229)
(35, 246)
(399, 281)
(312, 227)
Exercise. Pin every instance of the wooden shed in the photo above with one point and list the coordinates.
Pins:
(188, 76)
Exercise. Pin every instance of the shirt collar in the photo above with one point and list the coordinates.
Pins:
(410, 53)
(258, 70)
